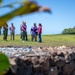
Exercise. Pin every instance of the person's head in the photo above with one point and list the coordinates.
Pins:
(23, 22)
(6, 24)
(34, 24)
(11, 24)
(39, 24)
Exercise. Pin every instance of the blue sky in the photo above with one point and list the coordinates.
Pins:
(63, 16)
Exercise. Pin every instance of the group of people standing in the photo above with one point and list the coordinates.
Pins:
(35, 32)
(5, 31)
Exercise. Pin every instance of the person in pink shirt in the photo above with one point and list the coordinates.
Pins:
(23, 29)
(39, 31)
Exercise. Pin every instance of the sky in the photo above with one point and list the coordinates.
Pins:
(62, 16)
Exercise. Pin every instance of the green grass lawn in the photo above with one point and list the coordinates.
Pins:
(48, 40)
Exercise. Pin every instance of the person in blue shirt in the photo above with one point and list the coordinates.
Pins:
(33, 32)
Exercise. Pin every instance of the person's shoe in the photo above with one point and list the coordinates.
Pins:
(23, 41)
(26, 39)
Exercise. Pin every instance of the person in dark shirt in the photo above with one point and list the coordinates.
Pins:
(5, 31)
(0, 30)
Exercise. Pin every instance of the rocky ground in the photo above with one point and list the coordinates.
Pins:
(59, 60)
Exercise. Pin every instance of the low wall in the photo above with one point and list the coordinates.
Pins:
(44, 61)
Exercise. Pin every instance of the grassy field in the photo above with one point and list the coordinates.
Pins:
(48, 40)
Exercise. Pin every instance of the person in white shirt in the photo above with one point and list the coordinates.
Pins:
(12, 32)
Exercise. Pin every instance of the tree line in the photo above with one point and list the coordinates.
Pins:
(69, 31)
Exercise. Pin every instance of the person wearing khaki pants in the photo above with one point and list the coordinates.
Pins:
(12, 32)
